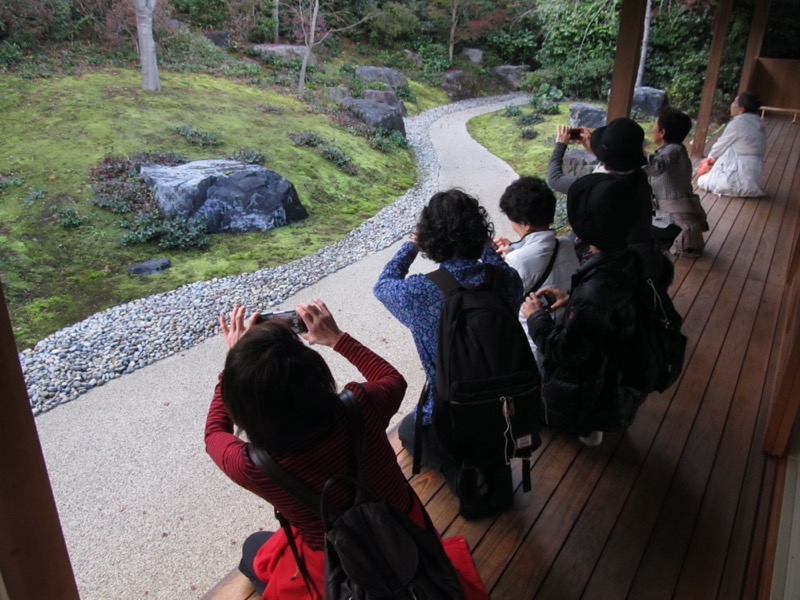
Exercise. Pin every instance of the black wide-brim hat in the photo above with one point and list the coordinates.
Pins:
(619, 145)
(602, 210)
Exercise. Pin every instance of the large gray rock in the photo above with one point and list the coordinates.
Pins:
(391, 77)
(475, 55)
(582, 114)
(376, 114)
(512, 74)
(386, 97)
(579, 162)
(230, 195)
(459, 85)
(285, 51)
(148, 267)
(647, 100)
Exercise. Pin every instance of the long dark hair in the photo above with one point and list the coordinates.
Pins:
(277, 389)
(453, 224)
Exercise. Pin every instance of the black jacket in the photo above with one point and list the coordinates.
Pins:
(582, 390)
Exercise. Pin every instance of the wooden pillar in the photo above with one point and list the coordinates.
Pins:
(758, 27)
(722, 20)
(786, 392)
(626, 58)
(33, 555)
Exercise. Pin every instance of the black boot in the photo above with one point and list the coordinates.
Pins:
(501, 488)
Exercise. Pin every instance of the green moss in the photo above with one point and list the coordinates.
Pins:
(55, 129)
(428, 97)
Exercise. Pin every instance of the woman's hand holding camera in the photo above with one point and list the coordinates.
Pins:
(237, 327)
(322, 328)
(554, 298)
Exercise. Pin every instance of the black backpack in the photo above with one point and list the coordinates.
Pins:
(372, 549)
(487, 389)
(655, 357)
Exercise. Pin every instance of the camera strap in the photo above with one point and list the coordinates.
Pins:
(546, 272)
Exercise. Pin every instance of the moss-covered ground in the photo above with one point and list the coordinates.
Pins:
(60, 255)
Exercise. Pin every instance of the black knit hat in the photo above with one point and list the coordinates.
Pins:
(618, 145)
(602, 210)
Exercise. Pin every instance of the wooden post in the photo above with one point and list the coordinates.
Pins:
(33, 555)
(758, 26)
(786, 395)
(722, 19)
(626, 58)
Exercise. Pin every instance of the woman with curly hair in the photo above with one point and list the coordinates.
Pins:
(453, 230)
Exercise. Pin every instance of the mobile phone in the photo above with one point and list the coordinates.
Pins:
(546, 301)
(290, 317)
(575, 133)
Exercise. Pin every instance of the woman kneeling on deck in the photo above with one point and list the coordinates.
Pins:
(582, 391)
(283, 395)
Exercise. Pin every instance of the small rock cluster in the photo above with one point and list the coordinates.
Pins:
(130, 336)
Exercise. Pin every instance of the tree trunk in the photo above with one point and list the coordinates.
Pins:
(310, 38)
(147, 45)
(454, 16)
(276, 10)
(645, 43)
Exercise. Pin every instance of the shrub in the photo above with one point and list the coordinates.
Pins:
(405, 94)
(7, 181)
(385, 141)
(528, 133)
(336, 155)
(183, 233)
(530, 119)
(248, 155)
(306, 138)
(34, 195)
(199, 138)
(513, 111)
(10, 54)
(68, 217)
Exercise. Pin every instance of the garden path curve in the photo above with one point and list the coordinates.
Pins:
(144, 511)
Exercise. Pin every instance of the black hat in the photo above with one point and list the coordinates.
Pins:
(618, 145)
(602, 210)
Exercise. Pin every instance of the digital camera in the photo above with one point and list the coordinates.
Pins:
(290, 317)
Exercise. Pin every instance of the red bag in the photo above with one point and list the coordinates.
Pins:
(705, 166)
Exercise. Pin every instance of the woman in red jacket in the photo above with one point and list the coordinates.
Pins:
(282, 394)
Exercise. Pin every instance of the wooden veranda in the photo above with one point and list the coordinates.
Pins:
(684, 504)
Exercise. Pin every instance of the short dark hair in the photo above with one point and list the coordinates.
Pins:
(453, 224)
(749, 102)
(529, 201)
(676, 124)
(277, 389)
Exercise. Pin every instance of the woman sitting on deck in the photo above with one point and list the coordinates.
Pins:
(737, 157)
(670, 171)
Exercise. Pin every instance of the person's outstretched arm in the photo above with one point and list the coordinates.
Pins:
(556, 178)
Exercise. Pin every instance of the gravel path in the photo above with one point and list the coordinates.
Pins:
(145, 513)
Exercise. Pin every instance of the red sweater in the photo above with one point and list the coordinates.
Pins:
(378, 398)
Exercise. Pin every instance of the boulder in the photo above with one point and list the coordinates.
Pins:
(386, 97)
(579, 162)
(377, 115)
(582, 114)
(459, 85)
(285, 51)
(230, 195)
(337, 94)
(154, 265)
(475, 55)
(413, 57)
(391, 77)
(219, 37)
(512, 74)
(647, 100)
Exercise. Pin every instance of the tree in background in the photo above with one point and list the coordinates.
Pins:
(147, 45)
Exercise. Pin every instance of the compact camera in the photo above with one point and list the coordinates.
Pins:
(290, 317)
(575, 133)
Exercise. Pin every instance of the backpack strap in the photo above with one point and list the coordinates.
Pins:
(546, 272)
(302, 492)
